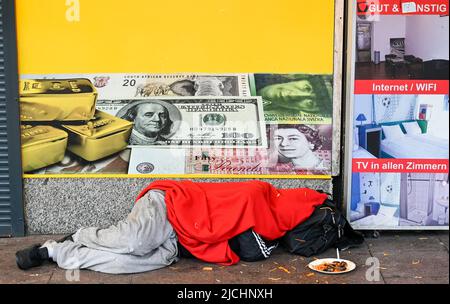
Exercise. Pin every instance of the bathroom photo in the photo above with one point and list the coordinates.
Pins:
(424, 199)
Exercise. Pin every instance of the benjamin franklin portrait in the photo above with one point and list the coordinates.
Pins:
(154, 121)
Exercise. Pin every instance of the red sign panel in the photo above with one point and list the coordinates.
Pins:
(402, 7)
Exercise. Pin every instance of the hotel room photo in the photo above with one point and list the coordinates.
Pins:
(402, 47)
(400, 126)
(393, 126)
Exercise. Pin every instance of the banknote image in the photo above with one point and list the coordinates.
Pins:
(128, 86)
(192, 122)
(299, 149)
(293, 150)
(294, 98)
(145, 160)
(227, 161)
(155, 121)
(73, 164)
(232, 124)
(193, 85)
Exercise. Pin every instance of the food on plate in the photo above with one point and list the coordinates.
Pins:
(335, 266)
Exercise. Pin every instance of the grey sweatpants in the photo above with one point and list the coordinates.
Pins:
(144, 241)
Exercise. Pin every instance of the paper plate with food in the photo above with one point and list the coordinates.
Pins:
(332, 266)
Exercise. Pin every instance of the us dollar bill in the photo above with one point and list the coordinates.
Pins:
(151, 160)
(123, 86)
(192, 122)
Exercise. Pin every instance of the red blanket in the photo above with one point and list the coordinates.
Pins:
(206, 215)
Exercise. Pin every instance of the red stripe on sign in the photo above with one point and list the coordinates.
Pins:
(402, 7)
(400, 87)
(400, 165)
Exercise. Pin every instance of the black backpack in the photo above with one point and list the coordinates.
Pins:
(321, 231)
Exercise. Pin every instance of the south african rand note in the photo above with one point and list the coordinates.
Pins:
(127, 86)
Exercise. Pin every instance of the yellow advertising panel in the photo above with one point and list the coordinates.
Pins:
(160, 36)
(203, 88)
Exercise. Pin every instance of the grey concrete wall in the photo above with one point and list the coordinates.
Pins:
(60, 206)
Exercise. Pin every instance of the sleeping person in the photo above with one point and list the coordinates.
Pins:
(161, 228)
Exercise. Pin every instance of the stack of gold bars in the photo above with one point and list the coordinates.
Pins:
(60, 114)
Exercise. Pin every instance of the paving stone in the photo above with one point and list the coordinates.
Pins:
(418, 280)
(443, 237)
(405, 240)
(411, 264)
(188, 271)
(22, 242)
(62, 276)
(400, 262)
(11, 274)
(26, 278)
(281, 268)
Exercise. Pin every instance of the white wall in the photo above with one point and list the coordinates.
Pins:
(427, 37)
(363, 104)
(383, 30)
(439, 119)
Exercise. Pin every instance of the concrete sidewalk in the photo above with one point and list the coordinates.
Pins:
(404, 257)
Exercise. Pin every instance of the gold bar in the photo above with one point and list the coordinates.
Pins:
(57, 99)
(100, 137)
(42, 146)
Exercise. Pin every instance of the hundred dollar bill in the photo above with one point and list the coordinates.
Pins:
(127, 86)
(145, 160)
(294, 98)
(189, 122)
